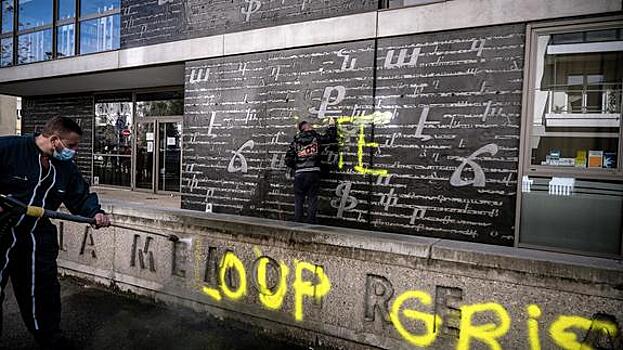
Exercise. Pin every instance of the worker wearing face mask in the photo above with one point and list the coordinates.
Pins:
(38, 170)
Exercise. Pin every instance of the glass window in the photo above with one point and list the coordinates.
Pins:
(66, 9)
(7, 16)
(65, 44)
(572, 190)
(101, 34)
(589, 219)
(34, 13)
(577, 102)
(159, 104)
(602, 35)
(567, 38)
(159, 108)
(112, 170)
(587, 36)
(35, 47)
(6, 54)
(113, 128)
(89, 7)
(112, 140)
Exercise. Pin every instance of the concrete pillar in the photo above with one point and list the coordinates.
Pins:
(8, 114)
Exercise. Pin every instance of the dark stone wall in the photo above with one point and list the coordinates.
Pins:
(249, 104)
(146, 22)
(37, 110)
(453, 145)
(438, 158)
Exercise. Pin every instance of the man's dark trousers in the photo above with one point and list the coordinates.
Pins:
(37, 293)
(306, 185)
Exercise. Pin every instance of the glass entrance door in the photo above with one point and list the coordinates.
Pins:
(169, 155)
(145, 150)
(159, 155)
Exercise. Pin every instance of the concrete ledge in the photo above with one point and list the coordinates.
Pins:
(172, 52)
(457, 14)
(324, 31)
(535, 262)
(75, 65)
(346, 286)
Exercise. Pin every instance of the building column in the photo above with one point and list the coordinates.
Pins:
(8, 115)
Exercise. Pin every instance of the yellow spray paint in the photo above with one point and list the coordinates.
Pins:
(231, 261)
(272, 300)
(430, 321)
(304, 288)
(361, 143)
(257, 251)
(212, 293)
(534, 313)
(566, 339)
(361, 120)
(378, 118)
(487, 333)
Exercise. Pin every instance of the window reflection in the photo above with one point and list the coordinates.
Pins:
(34, 13)
(88, 7)
(7, 16)
(66, 9)
(112, 147)
(100, 34)
(6, 52)
(113, 128)
(159, 108)
(65, 45)
(577, 111)
(35, 47)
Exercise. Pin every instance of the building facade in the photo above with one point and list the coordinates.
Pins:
(490, 121)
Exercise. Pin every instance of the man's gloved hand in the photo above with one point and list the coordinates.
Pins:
(101, 220)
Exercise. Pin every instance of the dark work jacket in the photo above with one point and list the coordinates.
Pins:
(23, 178)
(305, 150)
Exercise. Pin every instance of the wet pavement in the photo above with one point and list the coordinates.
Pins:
(97, 318)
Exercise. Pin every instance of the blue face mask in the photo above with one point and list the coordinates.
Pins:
(65, 154)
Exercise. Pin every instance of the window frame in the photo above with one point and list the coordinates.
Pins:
(525, 168)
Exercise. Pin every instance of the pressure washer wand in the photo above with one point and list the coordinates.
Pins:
(15, 208)
(18, 208)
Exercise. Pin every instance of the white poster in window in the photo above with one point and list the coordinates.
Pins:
(150, 146)
(149, 136)
(171, 141)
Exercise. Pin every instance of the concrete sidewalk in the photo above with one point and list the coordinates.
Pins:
(96, 318)
(137, 197)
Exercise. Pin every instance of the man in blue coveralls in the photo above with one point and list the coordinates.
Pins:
(38, 170)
